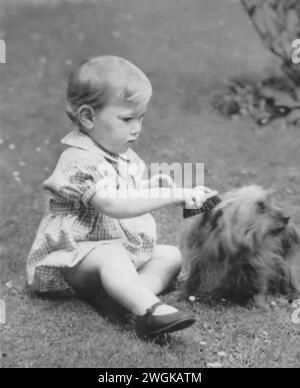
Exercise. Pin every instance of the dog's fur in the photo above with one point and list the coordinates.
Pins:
(241, 249)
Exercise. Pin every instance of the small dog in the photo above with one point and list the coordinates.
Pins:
(242, 249)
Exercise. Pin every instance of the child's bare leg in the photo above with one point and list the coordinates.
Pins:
(161, 269)
(111, 266)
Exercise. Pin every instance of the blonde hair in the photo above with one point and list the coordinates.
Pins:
(99, 81)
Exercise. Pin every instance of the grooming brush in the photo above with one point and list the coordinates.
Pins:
(209, 204)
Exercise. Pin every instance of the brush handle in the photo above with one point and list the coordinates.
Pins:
(209, 204)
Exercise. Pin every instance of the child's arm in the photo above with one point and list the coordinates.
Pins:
(133, 203)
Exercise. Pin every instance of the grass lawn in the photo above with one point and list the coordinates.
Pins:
(187, 47)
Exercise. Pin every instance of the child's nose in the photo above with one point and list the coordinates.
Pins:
(136, 127)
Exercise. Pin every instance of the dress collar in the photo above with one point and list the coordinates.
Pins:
(79, 139)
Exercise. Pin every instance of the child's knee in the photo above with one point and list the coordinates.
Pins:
(176, 255)
(172, 256)
(177, 259)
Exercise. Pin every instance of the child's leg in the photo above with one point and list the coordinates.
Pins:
(110, 265)
(164, 266)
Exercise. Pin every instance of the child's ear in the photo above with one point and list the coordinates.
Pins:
(86, 117)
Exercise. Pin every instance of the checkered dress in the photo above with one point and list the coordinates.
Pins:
(71, 227)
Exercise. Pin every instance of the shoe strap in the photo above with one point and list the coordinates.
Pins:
(151, 309)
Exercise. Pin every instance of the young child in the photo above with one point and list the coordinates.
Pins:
(90, 238)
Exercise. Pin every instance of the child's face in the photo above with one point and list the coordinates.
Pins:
(118, 125)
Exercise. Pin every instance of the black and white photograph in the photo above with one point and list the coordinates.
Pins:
(150, 187)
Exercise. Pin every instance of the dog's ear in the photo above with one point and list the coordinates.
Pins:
(215, 217)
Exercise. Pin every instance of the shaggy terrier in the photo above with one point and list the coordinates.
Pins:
(242, 249)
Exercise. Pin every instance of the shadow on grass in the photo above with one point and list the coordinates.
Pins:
(112, 311)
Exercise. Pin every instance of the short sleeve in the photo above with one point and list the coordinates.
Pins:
(78, 176)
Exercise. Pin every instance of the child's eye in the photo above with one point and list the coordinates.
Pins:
(126, 119)
(129, 118)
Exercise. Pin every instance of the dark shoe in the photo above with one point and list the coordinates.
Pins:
(149, 324)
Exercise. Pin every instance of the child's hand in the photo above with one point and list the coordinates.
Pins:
(208, 193)
(189, 198)
(195, 197)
